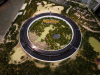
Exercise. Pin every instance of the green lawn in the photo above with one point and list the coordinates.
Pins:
(95, 44)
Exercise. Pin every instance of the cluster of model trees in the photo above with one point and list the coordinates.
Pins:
(88, 51)
(62, 32)
(61, 28)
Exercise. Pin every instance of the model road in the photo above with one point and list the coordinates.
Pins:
(50, 55)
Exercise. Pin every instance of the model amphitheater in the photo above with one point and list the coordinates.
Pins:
(50, 33)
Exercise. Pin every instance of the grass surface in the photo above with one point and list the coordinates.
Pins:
(95, 44)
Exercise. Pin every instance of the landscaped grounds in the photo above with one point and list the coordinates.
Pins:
(51, 33)
(83, 62)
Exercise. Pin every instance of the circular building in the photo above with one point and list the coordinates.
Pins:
(50, 37)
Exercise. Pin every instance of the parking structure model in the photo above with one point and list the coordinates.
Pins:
(50, 56)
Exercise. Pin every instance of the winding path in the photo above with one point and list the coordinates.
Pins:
(67, 11)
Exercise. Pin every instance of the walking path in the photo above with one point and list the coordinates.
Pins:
(87, 28)
(67, 11)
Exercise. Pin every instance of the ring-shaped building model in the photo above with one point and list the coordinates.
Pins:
(55, 55)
